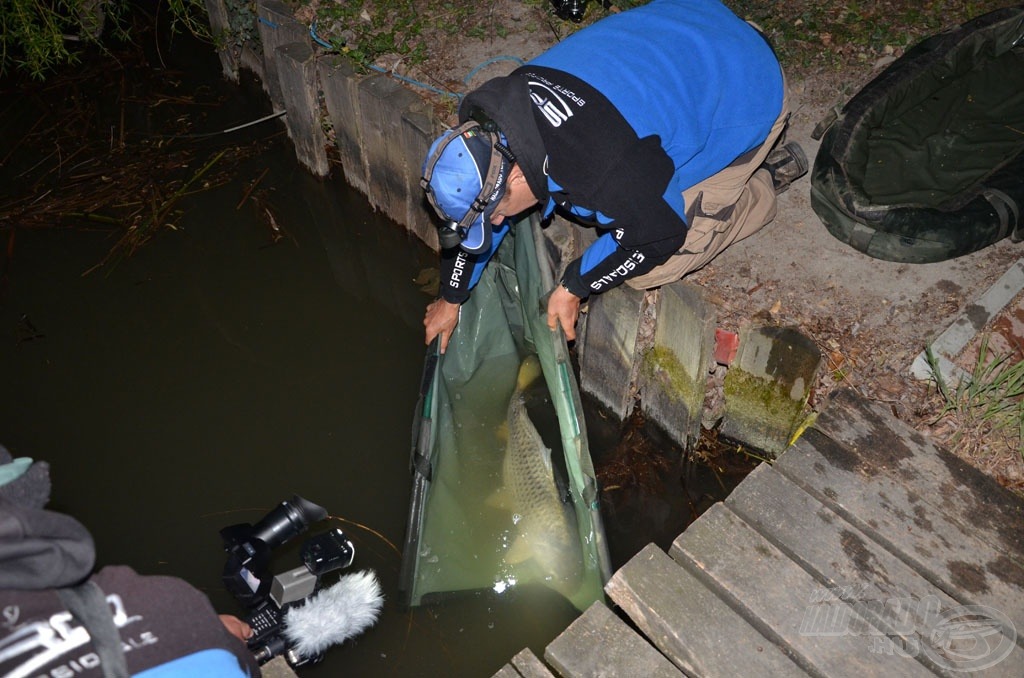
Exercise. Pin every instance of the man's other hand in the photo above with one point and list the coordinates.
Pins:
(564, 310)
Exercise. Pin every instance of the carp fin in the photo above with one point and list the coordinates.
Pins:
(529, 371)
(519, 552)
(501, 498)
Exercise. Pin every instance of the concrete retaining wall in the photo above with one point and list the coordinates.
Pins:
(379, 131)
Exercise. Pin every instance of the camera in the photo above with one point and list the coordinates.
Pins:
(266, 596)
(573, 10)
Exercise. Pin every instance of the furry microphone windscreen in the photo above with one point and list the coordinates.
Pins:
(335, 614)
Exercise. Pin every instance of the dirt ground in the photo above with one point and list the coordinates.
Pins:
(869, 317)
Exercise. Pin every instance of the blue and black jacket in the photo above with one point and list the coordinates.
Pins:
(611, 125)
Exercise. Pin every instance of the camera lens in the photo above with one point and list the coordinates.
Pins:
(570, 9)
(292, 517)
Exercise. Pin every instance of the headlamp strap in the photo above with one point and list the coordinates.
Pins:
(477, 120)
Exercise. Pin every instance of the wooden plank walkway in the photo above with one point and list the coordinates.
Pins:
(864, 550)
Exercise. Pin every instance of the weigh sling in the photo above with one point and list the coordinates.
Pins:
(491, 509)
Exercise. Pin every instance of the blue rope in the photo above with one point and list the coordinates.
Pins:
(488, 63)
(317, 39)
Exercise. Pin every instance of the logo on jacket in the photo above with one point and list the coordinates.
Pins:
(550, 102)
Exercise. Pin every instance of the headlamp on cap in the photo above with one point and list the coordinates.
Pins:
(470, 158)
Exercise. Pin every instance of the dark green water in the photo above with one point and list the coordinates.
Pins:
(216, 373)
(225, 367)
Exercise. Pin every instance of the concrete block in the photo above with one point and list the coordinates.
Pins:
(296, 70)
(767, 387)
(419, 129)
(340, 83)
(673, 373)
(607, 363)
(277, 26)
(967, 325)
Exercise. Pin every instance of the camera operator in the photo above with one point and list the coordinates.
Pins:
(58, 619)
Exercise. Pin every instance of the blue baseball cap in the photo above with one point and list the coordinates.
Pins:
(465, 175)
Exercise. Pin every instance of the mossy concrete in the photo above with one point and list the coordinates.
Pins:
(768, 385)
(673, 372)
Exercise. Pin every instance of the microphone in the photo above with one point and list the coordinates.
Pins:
(334, 614)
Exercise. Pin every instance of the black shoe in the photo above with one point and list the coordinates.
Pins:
(786, 164)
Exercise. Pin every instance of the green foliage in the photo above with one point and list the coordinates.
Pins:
(40, 36)
(365, 30)
(190, 15)
(986, 408)
(32, 35)
(242, 28)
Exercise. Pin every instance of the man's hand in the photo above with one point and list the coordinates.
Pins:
(440, 320)
(564, 310)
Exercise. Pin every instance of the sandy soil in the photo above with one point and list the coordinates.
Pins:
(869, 317)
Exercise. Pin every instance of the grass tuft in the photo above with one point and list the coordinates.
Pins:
(985, 410)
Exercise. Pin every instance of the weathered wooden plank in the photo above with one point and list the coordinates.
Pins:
(398, 178)
(341, 84)
(892, 513)
(607, 362)
(296, 69)
(770, 591)
(381, 102)
(278, 667)
(217, 13)
(507, 671)
(851, 567)
(690, 624)
(528, 666)
(886, 446)
(419, 129)
(277, 26)
(598, 643)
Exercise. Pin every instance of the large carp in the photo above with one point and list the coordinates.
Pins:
(545, 525)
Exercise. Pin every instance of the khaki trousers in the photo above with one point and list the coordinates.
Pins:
(724, 208)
